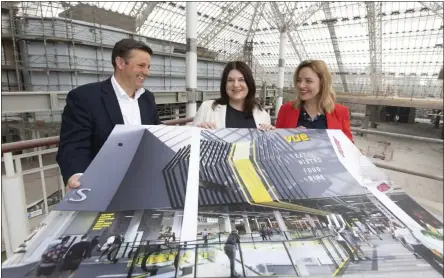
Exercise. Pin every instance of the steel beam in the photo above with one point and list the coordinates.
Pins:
(23, 102)
(294, 23)
(397, 135)
(336, 49)
(298, 46)
(191, 57)
(435, 7)
(374, 20)
(257, 15)
(143, 13)
(204, 39)
(407, 171)
(281, 71)
(392, 101)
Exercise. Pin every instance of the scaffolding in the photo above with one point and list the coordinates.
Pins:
(395, 45)
(392, 49)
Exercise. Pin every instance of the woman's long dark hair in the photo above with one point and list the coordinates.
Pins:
(250, 100)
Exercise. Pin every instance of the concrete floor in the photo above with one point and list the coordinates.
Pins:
(413, 155)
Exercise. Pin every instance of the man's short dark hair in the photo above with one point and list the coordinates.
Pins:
(123, 48)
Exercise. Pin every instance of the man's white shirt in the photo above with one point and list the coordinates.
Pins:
(128, 106)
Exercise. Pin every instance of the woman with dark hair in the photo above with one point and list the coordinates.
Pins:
(237, 106)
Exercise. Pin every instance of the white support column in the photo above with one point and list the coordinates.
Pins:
(177, 223)
(247, 224)
(131, 232)
(269, 222)
(281, 71)
(280, 221)
(133, 226)
(257, 224)
(35, 134)
(335, 220)
(310, 220)
(191, 57)
(225, 224)
(176, 113)
(341, 220)
(189, 231)
(15, 223)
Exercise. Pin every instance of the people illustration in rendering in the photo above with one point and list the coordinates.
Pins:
(269, 233)
(314, 106)
(52, 257)
(205, 236)
(237, 106)
(94, 243)
(76, 254)
(110, 245)
(341, 240)
(263, 233)
(360, 235)
(230, 249)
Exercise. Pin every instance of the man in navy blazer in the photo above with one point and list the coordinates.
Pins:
(92, 110)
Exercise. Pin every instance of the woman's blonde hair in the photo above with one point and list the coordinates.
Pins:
(326, 97)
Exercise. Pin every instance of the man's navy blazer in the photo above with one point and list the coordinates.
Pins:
(91, 112)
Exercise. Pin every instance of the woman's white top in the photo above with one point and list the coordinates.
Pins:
(217, 116)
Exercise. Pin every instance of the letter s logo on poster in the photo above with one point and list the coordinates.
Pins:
(80, 193)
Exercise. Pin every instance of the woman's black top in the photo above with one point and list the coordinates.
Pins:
(238, 119)
(319, 122)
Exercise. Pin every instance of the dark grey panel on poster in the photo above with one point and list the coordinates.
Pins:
(125, 175)
(144, 186)
(106, 172)
(276, 169)
(415, 211)
(150, 225)
(312, 163)
(171, 182)
(175, 177)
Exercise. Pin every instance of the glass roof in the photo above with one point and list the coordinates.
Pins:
(412, 33)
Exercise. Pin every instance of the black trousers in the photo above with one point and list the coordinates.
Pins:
(230, 251)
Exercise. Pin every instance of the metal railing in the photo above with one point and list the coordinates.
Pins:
(44, 142)
(199, 258)
(397, 135)
(40, 163)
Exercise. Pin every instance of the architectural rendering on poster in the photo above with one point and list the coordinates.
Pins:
(176, 193)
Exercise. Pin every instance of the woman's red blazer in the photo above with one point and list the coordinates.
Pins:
(337, 119)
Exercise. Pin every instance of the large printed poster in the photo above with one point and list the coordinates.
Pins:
(151, 187)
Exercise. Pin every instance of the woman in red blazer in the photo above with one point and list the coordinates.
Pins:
(315, 105)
